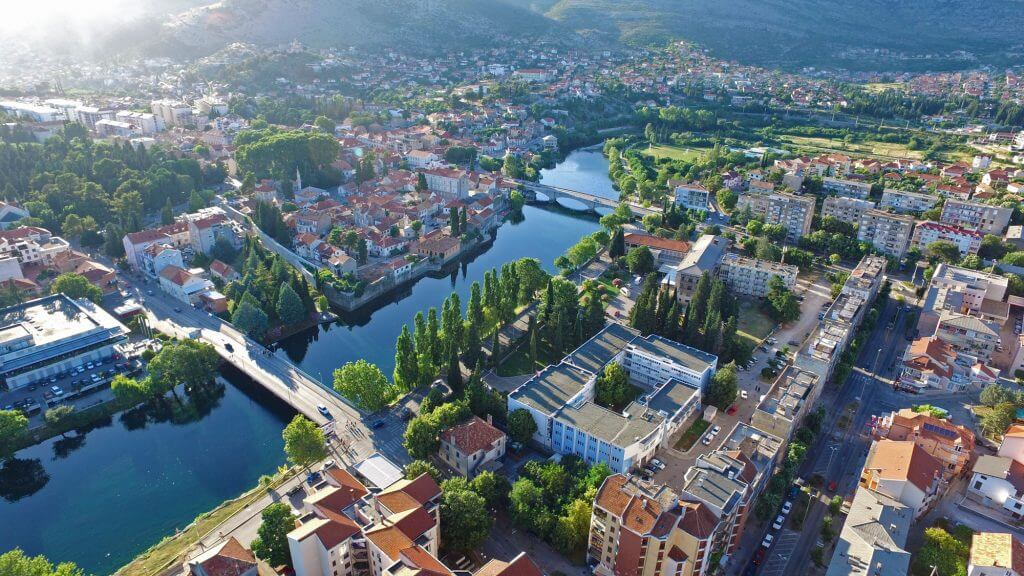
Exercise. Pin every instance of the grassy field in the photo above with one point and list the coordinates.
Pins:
(690, 436)
(875, 149)
(753, 324)
(673, 152)
(171, 549)
(518, 363)
(876, 87)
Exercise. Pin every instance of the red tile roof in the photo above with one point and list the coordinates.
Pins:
(232, 559)
(472, 436)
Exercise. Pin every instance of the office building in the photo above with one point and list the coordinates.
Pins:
(44, 337)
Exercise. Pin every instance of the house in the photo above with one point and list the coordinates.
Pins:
(228, 558)
(932, 362)
(951, 444)
(418, 159)
(904, 472)
(437, 246)
(470, 446)
(315, 222)
(183, 285)
(996, 554)
(223, 271)
(156, 257)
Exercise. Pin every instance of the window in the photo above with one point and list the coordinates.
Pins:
(977, 485)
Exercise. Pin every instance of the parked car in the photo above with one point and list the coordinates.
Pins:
(787, 506)
(743, 394)
(759, 556)
(767, 542)
(57, 390)
(707, 440)
(715, 430)
(731, 410)
(379, 423)
(658, 464)
(229, 347)
(779, 521)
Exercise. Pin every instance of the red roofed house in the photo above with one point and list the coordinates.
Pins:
(467, 447)
(905, 472)
(223, 271)
(952, 444)
(183, 285)
(227, 559)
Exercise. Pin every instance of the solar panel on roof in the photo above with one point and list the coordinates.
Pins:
(940, 431)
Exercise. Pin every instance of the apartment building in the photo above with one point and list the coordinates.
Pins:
(996, 554)
(984, 218)
(846, 188)
(691, 195)
(205, 230)
(450, 184)
(903, 202)
(172, 112)
(647, 530)
(790, 398)
(175, 234)
(968, 334)
(724, 482)
(966, 241)
(470, 446)
(31, 245)
(950, 444)
(904, 472)
(561, 397)
(931, 362)
(888, 233)
(750, 276)
(873, 537)
(964, 291)
(704, 257)
(845, 209)
(795, 213)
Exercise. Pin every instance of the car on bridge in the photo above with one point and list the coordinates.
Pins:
(323, 410)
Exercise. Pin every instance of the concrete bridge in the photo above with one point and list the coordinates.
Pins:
(591, 201)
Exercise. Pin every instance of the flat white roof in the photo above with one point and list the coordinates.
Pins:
(379, 471)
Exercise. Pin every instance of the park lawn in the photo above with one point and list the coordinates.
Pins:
(869, 148)
(690, 436)
(876, 87)
(753, 324)
(673, 152)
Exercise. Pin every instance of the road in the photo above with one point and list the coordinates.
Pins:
(355, 429)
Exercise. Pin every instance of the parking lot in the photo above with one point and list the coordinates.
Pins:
(776, 558)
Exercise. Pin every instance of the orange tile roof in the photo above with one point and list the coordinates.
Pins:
(422, 559)
(472, 436)
(611, 497)
(903, 460)
(423, 488)
(232, 559)
(390, 540)
(521, 565)
(347, 482)
(698, 520)
(997, 549)
(414, 523)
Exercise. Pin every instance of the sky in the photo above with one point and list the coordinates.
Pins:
(40, 19)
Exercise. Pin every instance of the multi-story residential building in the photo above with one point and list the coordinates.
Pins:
(175, 234)
(691, 195)
(873, 537)
(156, 257)
(183, 285)
(968, 334)
(750, 276)
(795, 213)
(984, 218)
(846, 188)
(646, 530)
(704, 257)
(143, 122)
(723, 481)
(966, 292)
(468, 447)
(996, 554)
(951, 444)
(116, 129)
(43, 337)
(931, 362)
(966, 241)
(904, 472)
(998, 481)
(904, 202)
(888, 233)
(561, 398)
(449, 183)
(845, 209)
(787, 402)
(32, 245)
(172, 112)
(205, 229)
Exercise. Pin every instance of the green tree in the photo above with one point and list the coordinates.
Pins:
(304, 442)
(76, 286)
(13, 424)
(943, 251)
(289, 306)
(571, 530)
(613, 388)
(56, 416)
(521, 426)
(943, 551)
(16, 563)
(722, 389)
(617, 245)
(420, 437)
(465, 520)
(417, 468)
(406, 373)
(494, 488)
(128, 390)
(324, 124)
(271, 542)
(640, 260)
(364, 384)
(527, 507)
(250, 319)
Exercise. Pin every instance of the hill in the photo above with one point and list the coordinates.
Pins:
(860, 35)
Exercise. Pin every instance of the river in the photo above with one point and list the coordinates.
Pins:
(101, 499)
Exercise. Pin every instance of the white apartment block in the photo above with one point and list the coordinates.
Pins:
(144, 122)
(691, 196)
(795, 213)
(845, 209)
(967, 241)
(31, 245)
(974, 216)
(751, 276)
(846, 188)
(172, 112)
(888, 233)
(905, 202)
